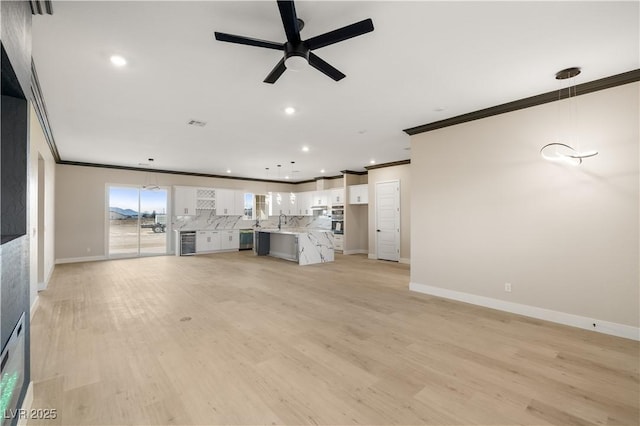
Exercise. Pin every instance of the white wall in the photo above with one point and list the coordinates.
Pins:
(81, 203)
(488, 210)
(401, 173)
(38, 148)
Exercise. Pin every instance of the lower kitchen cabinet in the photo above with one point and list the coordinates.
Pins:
(230, 240)
(207, 241)
(212, 241)
(338, 242)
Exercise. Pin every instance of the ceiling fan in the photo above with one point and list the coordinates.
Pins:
(296, 50)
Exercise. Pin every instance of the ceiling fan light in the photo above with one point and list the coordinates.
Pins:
(295, 63)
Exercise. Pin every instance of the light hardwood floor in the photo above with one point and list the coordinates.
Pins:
(235, 339)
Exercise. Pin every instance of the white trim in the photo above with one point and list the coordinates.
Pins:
(373, 256)
(80, 259)
(45, 284)
(358, 251)
(26, 405)
(405, 260)
(586, 323)
(34, 306)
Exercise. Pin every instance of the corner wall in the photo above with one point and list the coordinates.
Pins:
(489, 210)
(42, 230)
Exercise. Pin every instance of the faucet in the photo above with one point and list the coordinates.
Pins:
(280, 220)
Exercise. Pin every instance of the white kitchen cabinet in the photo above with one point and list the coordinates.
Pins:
(184, 201)
(304, 203)
(205, 198)
(338, 242)
(281, 203)
(320, 198)
(291, 204)
(229, 202)
(359, 194)
(207, 241)
(230, 240)
(337, 197)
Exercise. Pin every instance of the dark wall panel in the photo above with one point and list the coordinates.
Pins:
(15, 32)
(13, 168)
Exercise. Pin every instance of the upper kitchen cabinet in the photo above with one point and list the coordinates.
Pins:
(304, 202)
(184, 200)
(205, 199)
(337, 197)
(283, 203)
(320, 198)
(229, 202)
(359, 194)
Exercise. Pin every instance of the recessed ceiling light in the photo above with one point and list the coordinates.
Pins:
(228, 171)
(305, 149)
(118, 61)
(289, 110)
(322, 171)
(372, 162)
(286, 177)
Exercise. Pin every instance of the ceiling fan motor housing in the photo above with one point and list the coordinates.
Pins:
(296, 49)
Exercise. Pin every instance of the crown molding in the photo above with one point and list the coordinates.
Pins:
(41, 112)
(391, 164)
(581, 89)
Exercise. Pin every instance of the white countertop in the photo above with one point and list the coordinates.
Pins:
(292, 231)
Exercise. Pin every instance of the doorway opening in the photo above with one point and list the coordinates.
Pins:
(137, 220)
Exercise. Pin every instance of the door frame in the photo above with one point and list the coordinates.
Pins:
(107, 222)
(398, 219)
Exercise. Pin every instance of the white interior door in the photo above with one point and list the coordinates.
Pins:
(388, 220)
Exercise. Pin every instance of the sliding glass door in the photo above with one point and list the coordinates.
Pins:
(137, 221)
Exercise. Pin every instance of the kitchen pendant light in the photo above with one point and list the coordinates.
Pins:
(151, 179)
(562, 152)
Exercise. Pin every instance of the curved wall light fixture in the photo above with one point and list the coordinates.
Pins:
(561, 152)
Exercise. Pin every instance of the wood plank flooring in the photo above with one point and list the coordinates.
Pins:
(236, 339)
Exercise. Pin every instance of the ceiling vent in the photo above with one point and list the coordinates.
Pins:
(197, 123)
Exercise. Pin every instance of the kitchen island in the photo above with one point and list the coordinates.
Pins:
(304, 246)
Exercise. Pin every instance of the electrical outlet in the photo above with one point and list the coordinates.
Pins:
(507, 287)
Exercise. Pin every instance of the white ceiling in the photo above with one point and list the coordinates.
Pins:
(422, 57)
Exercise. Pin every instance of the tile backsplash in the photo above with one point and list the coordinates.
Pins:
(206, 219)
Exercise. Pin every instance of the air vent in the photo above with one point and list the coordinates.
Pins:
(197, 123)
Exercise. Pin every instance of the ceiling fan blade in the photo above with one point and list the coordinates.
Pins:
(276, 72)
(324, 67)
(289, 20)
(248, 41)
(340, 34)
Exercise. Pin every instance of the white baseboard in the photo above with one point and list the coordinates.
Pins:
(373, 256)
(405, 260)
(80, 259)
(34, 306)
(26, 405)
(606, 327)
(358, 251)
